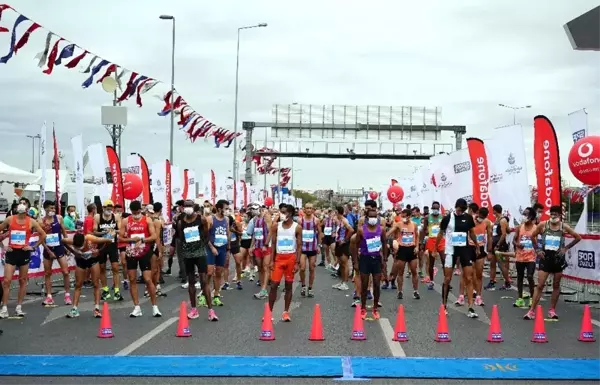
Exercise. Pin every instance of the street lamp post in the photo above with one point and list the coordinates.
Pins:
(172, 18)
(514, 110)
(33, 138)
(235, 114)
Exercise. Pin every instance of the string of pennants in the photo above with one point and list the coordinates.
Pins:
(60, 52)
(264, 165)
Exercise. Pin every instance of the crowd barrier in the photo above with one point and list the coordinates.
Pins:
(582, 275)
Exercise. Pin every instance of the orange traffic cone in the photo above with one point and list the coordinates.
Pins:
(267, 333)
(539, 330)
(442, 328)
(587, 332)
(495, 332)
(316, 331)
(400, 328)
(358, 329)
(183, 327)
(105, 330)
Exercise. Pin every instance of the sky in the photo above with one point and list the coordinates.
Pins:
(466, 56)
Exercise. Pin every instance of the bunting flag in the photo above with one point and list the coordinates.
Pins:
(56, 170)
(57, 49)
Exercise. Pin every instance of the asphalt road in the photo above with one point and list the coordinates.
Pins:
(46, 331)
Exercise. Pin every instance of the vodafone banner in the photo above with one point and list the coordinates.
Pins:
(117, 178)
(480, 174)
(192, 190)
(509, 185)
(547, 164)
(159, 190)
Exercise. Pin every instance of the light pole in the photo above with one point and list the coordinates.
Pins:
(33, 138)
(514, 110)
(172, 18)
(237, 72)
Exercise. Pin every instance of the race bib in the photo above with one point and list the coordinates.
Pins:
(105, 236)
(140, 236)
(480, 238)
(552, 243)
(408, 238)
(328, 231)
(220, 240)
(285, 244)
(52, 240)
(258, 234)
(17, 237)
(435, 230)
(526, 243)
(373, 245)
(308, 235)
(458, 239)
(191, 234)
(245, 235)
(233, 236)
(495, 229)
(86, 255)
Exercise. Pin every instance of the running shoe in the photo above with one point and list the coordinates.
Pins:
(421, 274)
(303, 291)
(263, 294)
(460, 300)
(185, 285)
(321, 264)
(363, 313)
(375, 313)
(408, 274)
(520, 302)
(167, 272)
(137, 312)
(193, 314)
(238, 285)
(355, 302)
(97, 313)
(311, 293)
(156, 312)
(386, 285)
(146, 294)
(4, 313)
(478, 301)
(369, 295)
(125, 285)
(552, 314)
(393, 286)
(416, 295)
(430, 285)
(212, 316)
(491, 286)
(105, 295)
(471, 313)
(217, 301)
(74, 313)
(197, 285)
(226, 286)
(343, 287)
(201, 299)
(19, 312)
(506, 286)
(530, 315)
(67, 299)
(48, 301)
(285, 317)
(400, 295)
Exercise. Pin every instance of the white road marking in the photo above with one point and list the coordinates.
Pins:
(480, 310)
(279, 305)
(388, 334)
(147, 337)
(597, 323)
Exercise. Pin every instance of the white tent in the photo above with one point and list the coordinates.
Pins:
(10, 174)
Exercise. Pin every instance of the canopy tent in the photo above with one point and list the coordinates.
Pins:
(10, 174)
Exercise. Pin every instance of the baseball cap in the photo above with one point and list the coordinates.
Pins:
(150, 209)
(108, 203)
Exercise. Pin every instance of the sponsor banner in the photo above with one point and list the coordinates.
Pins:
(159, 190)
(192, 189)
(43, 165)
(213, 187)
(185, 185)
(117, 178)
(579, 124)
(77, 145)
(95, 154)
(36, 267)
(507, 164)
(176, 184)
(206, 187)
(480, 174)
(452, 174)
(547, 164)
(167, 213)
(145, 175)
(584, 260)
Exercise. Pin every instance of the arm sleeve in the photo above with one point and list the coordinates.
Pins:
(444, 223)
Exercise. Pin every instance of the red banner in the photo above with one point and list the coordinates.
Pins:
(185, 184)
(245, 201)
(169, 203)
(235, 195)
(145, 180)
(547, 164)
(213, 187)
(117, 177)
(56, 172)
(481, 174)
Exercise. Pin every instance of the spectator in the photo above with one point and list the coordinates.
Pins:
(71, 218)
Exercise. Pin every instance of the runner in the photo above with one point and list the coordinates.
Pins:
(552, 253)
(85, 250)
(218, 247)
(456, 227)
(155, 214)
(431, 225)
(18, 255)
(416, 219)
(329, 237)
(235, 231)
(194, 228)
(286, 257)
(105, 226)
(53, 250)
(260, 248)
(499, 233)
(373, 246)
(246, 242)
(342, 248)
(406, 236)
(525, 255)
(138, 231)
(311, 239)
(483, 230)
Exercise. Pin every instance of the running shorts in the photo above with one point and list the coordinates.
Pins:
(369, 265)
(216, 259)
(85, 263)
(144, 262)
(552, 262)
(58, 252)
(245, 243)
(283, 267)
(328, 240)
(406, 253)
(260, 254)
(235, 248)
(342, 249)
(482, 253)
(17, 257)
(108, 252)
(309, 253)
(430, 245)
(465, 255)
(192, 263)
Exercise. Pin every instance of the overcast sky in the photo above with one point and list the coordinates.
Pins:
(465, 56)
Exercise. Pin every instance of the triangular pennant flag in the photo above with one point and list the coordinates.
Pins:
(89, 67)
(25, 38)
(75, 62)
(13, 39)
(2, 8)
(111, 68)
(52, 57)
(43, 56)
(88, 82)
(65, 53)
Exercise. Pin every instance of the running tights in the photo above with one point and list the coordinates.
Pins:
(523, 267)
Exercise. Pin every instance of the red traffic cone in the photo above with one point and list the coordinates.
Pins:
(442, 334)
(358, 329)
(400, 328)
(539, 329)
(183, 326)
(495, 332)
(267, 333)
(587, 332)
(316, 330)
(105, 330)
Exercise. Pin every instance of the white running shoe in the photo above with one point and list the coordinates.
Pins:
(137, 312)
(197, 285)
(4, 312)
(185, 285)
(155, 311)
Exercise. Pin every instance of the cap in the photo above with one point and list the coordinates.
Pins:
(150, 209)
(108, 202)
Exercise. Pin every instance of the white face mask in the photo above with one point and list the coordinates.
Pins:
(523, 219)
(188, 210)
(554, 220)
(137, 216)
(108, 212)
(227, 212)
(372, 221)
(435, 212)
(72, 214)
(21, 208)
(51, 213)
(405, 220)
(207, 210)
(282, 217)
(479, 220)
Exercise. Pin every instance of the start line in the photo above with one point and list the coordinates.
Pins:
(344, 368)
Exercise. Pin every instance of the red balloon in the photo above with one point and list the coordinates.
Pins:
(395, 194)
(132, 186)
(584, 160)
(268, 201)
(373, 195)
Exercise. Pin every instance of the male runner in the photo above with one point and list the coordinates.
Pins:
(552, 252)
(106, 226)
(311, 239)
(525, 255)
(218, 247)
(285, 256)
(235, 232)
(483, 231)
(53, 250)
(499, 233)
(406, 236)
(431, 226)
(330, 225)
(159, 246)
(342, 250)
(260, 248)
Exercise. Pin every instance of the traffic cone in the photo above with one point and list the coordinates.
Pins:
(183, 326)
(316, 331)
(442, 328)
(358, 329)
(587, 332)
(267, 333)
(400, 328)
(495, 332)
(539, 330)
(105, 330)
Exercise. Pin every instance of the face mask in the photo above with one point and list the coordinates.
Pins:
(405, 220)
(372, 221)
(72, 214)
(295, 219)
(21, 208)
(554, 220)
(137, 216)
(188, 210)
(524, 219)
(51, 213)
(282, 217)
(479, 220)
(207, 210)
(108, 212)
(435, 212)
